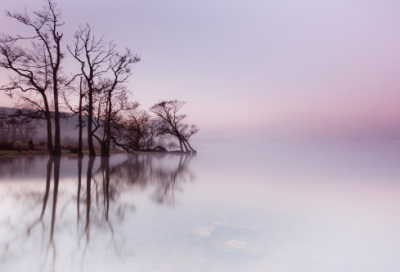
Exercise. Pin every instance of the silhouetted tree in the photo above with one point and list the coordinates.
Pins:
(170, 122)
(137, 131)
(79, 111)
(16, 127)
(112, 102)
(26, 130)
(36, 69)
(97, 59)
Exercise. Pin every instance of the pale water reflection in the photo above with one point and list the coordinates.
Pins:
(282, 208)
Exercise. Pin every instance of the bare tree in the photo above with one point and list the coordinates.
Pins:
(137, 131)
(26, 130)
(37, 69)
(92, 55)
(12, 128)
(112, 102)
(19, 125)
(98, 58)
(81, 122)
(171, 122)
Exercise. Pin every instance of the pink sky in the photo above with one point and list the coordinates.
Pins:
(259, 66)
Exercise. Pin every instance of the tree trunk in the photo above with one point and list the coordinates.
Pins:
(105, 145)
(105, 151)
(186, 148)
(48, 125)
(49, 135)
(92, 153)
(106, 148)
(190, 146)
(57, 134)
(180, 143)
(80, 147)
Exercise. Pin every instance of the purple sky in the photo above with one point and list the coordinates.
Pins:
(262, 67)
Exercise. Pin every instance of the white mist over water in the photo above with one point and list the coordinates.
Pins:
(235, 206)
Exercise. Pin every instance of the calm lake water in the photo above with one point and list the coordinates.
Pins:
(275, 207)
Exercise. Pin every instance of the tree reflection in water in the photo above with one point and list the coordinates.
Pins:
(142, 172)
(102, 206)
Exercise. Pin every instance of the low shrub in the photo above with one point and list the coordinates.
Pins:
(31, 145)
(6, 145)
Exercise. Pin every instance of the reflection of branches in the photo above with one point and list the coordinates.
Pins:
(108, 193)
(56, 162)
(48, 178)
(105, 167)
(78, 198)
(26, 196)
(88, 202)
(53, 212)
(46, 194)
(168, 181)
(142, 171)
(163, 174)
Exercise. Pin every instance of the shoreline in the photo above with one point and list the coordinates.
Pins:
(24, 151)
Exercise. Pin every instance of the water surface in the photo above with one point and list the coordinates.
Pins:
(231, 207)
